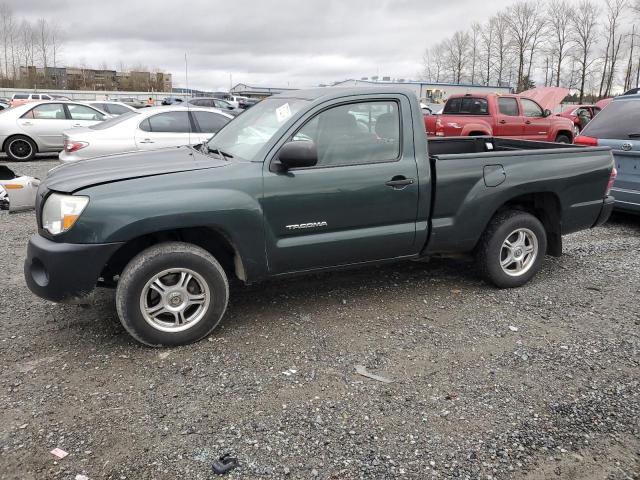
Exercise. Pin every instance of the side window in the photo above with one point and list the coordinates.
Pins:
(210, 122)
(35, 97)
(508, 106)
(170, 122)
(47, 111)
(355, 133)
(115, 109)
(144, 125)
(45, 97)
(467, 106)
(82, 112)
(531, 108)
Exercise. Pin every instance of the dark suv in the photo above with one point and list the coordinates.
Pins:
(618, 127)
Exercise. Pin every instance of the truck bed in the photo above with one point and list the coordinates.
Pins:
(444, 147)
(475, 176)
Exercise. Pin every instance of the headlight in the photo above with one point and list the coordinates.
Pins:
(60, 212)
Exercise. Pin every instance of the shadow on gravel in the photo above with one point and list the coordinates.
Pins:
(271, 299)
(625, 220)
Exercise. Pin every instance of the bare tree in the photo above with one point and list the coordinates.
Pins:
(524, 28)
(584, 25)
(501, 28)
(486, 50)
(615, 8)
(559, 13)
(8, 34)
(457, 48)
(44, 42)
(628, 77)
(475, 35)
(433, 63)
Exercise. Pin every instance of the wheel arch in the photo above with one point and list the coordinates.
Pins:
(211, 239)
(546, 207)
(567, 133)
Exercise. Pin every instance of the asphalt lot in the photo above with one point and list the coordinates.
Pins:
(535, 383)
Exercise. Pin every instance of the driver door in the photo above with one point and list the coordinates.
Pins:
(344, 210)
(536, 125)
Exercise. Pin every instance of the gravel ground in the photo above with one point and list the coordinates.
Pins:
(535, 383)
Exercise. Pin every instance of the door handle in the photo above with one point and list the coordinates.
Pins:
(147, 140)
(399, 182)
(528, 122)
(75, 125)
(502, 122)
(27, 124)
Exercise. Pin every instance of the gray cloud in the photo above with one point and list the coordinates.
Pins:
(297, 43)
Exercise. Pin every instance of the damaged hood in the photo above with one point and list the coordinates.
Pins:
(547, 97)
(71, 177)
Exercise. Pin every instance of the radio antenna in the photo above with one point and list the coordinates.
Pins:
(186, 79)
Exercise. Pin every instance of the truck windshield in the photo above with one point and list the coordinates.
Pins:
(248, 133)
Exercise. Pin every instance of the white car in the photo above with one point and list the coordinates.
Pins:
(17, 192)
(145, 129)
(37, 127)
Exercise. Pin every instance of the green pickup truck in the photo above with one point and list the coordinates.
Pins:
(302, 182)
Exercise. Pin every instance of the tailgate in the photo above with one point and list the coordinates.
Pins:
(626, 188)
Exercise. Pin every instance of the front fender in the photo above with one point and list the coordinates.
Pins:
(123, 211)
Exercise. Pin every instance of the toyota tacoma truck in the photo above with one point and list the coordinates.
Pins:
(303, 182)
(512, 116)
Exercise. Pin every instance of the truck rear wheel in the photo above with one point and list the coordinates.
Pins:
(172, 294)
(511, 249)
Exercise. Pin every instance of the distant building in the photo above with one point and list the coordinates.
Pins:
(427, 91)
(74, 78)
(250, 91)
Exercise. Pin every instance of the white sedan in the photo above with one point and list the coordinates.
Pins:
(37, 127)
(145, 129)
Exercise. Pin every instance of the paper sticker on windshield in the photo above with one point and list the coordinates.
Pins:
(283, 112)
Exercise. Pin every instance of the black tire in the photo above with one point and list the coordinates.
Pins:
(20, 148)
(155, 260)
(562, 138)
(491, 250)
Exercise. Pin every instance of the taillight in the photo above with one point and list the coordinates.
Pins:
(612, 178)
(586, 141)
(70, 146)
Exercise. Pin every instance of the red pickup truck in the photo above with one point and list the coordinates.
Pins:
(512, 116)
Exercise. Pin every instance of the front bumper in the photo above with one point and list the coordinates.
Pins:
(605, 212)
(64, 271)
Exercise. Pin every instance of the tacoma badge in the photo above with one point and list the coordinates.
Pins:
(300, 226)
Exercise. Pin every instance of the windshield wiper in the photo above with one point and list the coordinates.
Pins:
(221, 154)
(634, 135)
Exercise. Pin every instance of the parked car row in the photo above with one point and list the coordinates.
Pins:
(147, 129)
(618, 127)
(51, 126)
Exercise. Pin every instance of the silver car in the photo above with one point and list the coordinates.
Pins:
(37, 127)
(112, 108)
(146, 129)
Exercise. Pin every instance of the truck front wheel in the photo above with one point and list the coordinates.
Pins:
(511, 249)
(172, 294)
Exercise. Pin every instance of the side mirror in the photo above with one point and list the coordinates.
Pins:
(547, 113)
(298, 154)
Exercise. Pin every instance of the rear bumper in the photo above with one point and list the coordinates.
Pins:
(64, 271)
(607, 207)
(627, 200)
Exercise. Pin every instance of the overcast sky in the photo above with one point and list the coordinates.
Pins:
(297, 43)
